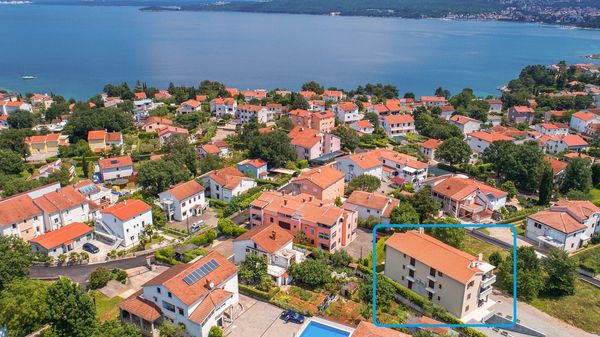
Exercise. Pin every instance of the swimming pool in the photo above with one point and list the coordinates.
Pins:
(318, 329)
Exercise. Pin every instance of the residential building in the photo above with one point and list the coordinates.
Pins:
(580, 120)
(199, 295)
(307, 94)
(363, 126)
(495, 105)
(316, 105)
(226, 183)
(53, 167)
(245, 112)
(8, 107)
(347, 112)
(398, 125)
(447, 111)
(434, 101)
(43, 101)
(165, 132)
(64, 206)
(325, 226)
(191, 105)
(559, 144)
(183, 200)
(311, 144)
(321, 121)
(480, 140)
(162, 94)
(20, 216)
(205, 150)
(383, 163)
(63, 240)
(153, 124)
(455, 280)
(333, 95)
(324, 183)
(567, 225)
(558, 169)
(98, 194)
(142, 108)
(46, 145)
(223, 106)
(428, 147)
(275, 244)
(101, 141)
(552, 129)
(371, 204)
(258, 94)
(466, 124)
(115, 168)
(300, 117)
(519, 114)
(126, 220)
(257, 168)
(468, 198)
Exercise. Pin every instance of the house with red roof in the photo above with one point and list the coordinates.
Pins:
(581, 119)
(368, 329)
(254, 94)
(448, 277)
(191, 105)
(274, 243)
(226, 183)
(126, 220)
(552, 129)
(323, 182)
(369, 204)
(347, 112)
(324, 225)
(567, 225)
(140, 95)
(198, 295)
(398, 125)
(317, 105)
(162, 94)
(183, 200)
(559, 144)
(7, 107)
(257, 168)
(307, 94)
(101, 140)
(46, 145)
(311, 144)
(41, 100)
(166, 131)
(462, 197)
(223, 106)
(246, 112)
(433, 101)
(466, 124)
(333, 95)
(63, 240)
(152, 124)
(480, 140)
(428, 147)
(521, 113)
(495, 105)
(363, 126)
(323, 121)
(115, 168)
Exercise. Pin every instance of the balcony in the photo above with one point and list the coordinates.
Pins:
(432, 278)
(487, 281)
(410, 278)
(431, 290)
(483, 292)
(255, 217)
(411, 267)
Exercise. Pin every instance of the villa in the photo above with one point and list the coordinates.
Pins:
(398, 125)
(324, 183)
(223, 106)
(311, 144)
(226, 183)
(183, 200)
(125, 221)
(371, 204)
(101, 140)
(115, 168)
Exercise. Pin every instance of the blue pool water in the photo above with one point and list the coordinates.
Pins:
(315, 329)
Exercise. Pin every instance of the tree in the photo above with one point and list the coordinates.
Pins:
(115, 328)
(178, 150)
(521, 163)
(596, 174)
(71, 310)
(495, 258)
(313, 273)
(454, 236)
(215, 331)
(84, 120)
(21, 119)
(404, 213)
(454, 151)
(562, 273)
(172, 330)
(11, 162)
(546, 185)
(85, 167)
(441, 92)
(510, 188)
(424, 204)
(284, 123)
(578, 176)
(210, 163)
(157, 175)
(99, 278)
(364, 182)
(273, 147)
(253, 268)
(348, 137)
(340, 258)
(313, 86)
(384, 290)
(530, 280)
(23, 306)
(14, 140)
(15, 259)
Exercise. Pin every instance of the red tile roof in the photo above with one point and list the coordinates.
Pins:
(17, 209)
(490, 137)
(113, 162)
(323, 176)
(62, 235)
(394, 119)
(269, 237)
(186, 189)
(141, 307)
(431, 143)
(127, 209)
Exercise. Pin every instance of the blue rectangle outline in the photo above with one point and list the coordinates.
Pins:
(445, 325)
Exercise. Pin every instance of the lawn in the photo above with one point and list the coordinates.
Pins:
(594, 195)
(106, 308)
(590, 258)
(344, 311)
(302, 299)
(581, 310)
(475, 246)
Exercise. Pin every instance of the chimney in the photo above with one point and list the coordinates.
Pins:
(273, 235)
(480, 257)
(284, 202)
(421, 230)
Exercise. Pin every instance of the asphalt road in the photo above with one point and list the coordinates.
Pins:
(81, 273)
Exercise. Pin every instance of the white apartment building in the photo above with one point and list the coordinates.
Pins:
(398, 125)
(183, 200)
(126, 220)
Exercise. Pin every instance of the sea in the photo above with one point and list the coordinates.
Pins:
(75, 50)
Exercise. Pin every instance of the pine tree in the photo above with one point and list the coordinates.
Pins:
(546, 185)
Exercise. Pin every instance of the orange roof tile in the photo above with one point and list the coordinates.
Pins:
(127, 209)
(457, 188)
(323, 176)
(394, 119)
(141, 307)
(490, 137)
(96, 135)
(186, 189)
(270, 237)
(431, 143)
(209, 303)
(16, 209)
(62, 235)
(561, 221)
(113, 162)
(367, 329)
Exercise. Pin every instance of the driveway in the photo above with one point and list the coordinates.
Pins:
(224, 246)
(101, 255)
(361, 246)
(506, 234)
(261, 319)
(208, 216)
(532, 318)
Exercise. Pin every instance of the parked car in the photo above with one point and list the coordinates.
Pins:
(88, 247)
(292, 316)
(196, 226)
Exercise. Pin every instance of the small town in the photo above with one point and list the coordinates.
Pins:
(210, 211)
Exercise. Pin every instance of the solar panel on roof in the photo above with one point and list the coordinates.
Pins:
(201, 272)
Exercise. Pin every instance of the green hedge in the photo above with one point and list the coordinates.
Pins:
(287, 306)
(253, 292)
(215, 203)
(229, 228)
(203, 239)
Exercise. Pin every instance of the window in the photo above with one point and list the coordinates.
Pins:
(467, 308)
(411, 273)
(155, 299)
(412, 261)
(439, 298)
(158, 290)
(180, 311)
(168, 306)
(469, 296)
(440, 274)
(431, 284)
(169, 294)
(410, 284)
(439, 286)
(470, 284)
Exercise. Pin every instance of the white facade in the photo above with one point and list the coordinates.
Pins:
(182, 209)
(579, 121)
(128, 230)
(351, 169)
(245, 113)
(116, 172)
(347, 116)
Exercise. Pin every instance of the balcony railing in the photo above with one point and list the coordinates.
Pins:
(488, 281)
(484, 292)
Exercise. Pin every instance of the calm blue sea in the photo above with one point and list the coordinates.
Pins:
(75, 50)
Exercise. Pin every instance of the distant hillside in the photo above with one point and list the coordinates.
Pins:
(400, 8)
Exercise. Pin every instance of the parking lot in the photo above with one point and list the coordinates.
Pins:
(208, 217)
(361, 246)
(101, 255)
(261, 319)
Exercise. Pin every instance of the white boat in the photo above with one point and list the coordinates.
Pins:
(28, 77)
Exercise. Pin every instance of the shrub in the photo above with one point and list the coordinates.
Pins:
(251, 291)
(229, 228)
(99, 278)
(204, 239)
(119, 275)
